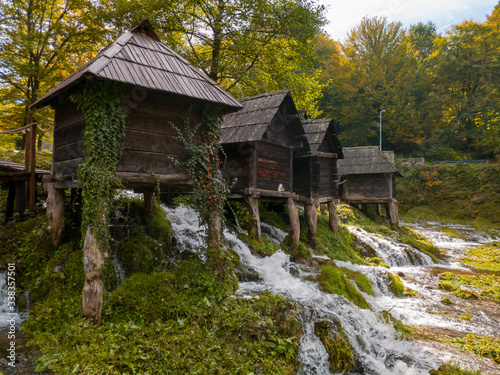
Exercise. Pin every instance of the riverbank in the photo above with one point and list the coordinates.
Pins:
(459, 193)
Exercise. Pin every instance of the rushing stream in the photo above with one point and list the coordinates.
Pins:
(376, 343)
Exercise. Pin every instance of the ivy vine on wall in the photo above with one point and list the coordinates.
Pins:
(103, 145)
(203, 167)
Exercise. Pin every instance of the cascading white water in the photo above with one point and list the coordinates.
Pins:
(274, 234)
(375, 343)
(391, 253)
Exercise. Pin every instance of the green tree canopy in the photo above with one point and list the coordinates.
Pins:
(41, 42)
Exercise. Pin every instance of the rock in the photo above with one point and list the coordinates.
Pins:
(246, 273)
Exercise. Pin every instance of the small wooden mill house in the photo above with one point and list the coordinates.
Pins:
(260, 142)
(160, 89)
(316, 172)
(369, 177)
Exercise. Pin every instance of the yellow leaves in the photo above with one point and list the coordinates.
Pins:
(431, 178)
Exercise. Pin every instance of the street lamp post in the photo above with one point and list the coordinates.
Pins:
(380, 125)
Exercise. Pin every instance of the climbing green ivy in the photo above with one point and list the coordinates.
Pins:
(201, 140)
(103, 145)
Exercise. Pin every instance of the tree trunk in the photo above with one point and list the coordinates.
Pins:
(55, 212)
(93, 289)
(214, 230)
(294, 230)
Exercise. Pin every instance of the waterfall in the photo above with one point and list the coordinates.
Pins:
(5, 312)
(374, 342)
(274, 234)
(390, 252)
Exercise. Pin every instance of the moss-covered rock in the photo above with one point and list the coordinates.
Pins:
(360, 279)
(332, 280)
(337, 345)
(448, 286)
(395, 285)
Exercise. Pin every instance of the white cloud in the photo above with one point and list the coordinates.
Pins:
(345, 15)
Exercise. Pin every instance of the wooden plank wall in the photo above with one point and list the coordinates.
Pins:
(368, 186)
(302, 176)
(151, 142)
(238, 165)
(273, 166)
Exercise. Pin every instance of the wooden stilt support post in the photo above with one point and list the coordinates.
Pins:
(378, 210)
(10, 201)
(311, 213)
(149, 202)
(20, 197)
(55, 212)
(294, 230)
(393, 213)
(32, 184)
(332, 217)
(253, 208)
(92, 292)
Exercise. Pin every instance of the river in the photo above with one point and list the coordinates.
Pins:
(377, 344)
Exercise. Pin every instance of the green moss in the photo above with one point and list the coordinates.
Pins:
(340, 246)
(159, 228)
(418, 241)
(240, 216)
(360, 279)
(172, 322)
(483, 258)
(446, 301)
(395, 285)
(274, 215)
(448, 286)
(487, 285)
(332, 280)
(337, 345)
(466, 294)
(452, 369)
(401, 329)
(264, 247)
(483, 346)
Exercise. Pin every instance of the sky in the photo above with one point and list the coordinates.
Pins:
(344, 15)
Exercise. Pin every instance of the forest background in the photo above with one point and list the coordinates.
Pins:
(440, 93)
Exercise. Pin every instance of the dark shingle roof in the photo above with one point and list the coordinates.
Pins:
(365, 160)
(316, 131)
(139, 58)
(250, 123)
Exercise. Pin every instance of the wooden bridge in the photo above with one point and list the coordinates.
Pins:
(22, 179)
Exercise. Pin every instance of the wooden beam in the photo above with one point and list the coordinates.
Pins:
(92, 293)
(330, 155)
(20, 197)
(294, 231)
(311, 212)
(32, 184)
(149, 202)
(253, 165)
(332, 217)
(10, 201)
(55, 212)
(253, 209)
(147, 179)
(392, 209)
